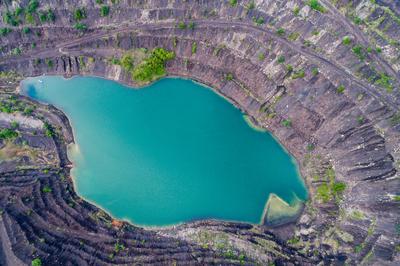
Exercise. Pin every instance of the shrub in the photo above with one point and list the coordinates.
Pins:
(229, 76)
(5, 31)
(233, 3)
(340, 89)
(51, 16)
(127, 62)
(36, 262)
(298, 74)
(80, 26)
(293, 36)
(346, 40)
(191, 25)
(47, 189)
(296, 10)
(104, 11)
(48, 129)
(281, 59)
(182, 25)
(280, 31)
(32, 6)
(29, 18)
(26, 30)
(7, 133)
(49, 63)
(315, 71)
(289, 68)
(323, 193)
(338, 188)
(358, 51)
(251, 5)
(42, 17)
(287, 123)
(80, 14)
(314, 4)
(153, 66)
(194, 47)
(261, 56)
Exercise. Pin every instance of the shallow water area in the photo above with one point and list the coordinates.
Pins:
(171, 152)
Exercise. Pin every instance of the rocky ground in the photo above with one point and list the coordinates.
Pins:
(322, 76)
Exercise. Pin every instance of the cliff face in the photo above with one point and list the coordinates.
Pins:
(324, 79)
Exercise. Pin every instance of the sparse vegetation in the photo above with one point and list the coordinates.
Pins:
(296, 10)
(315, 5)
(104, 11)
(281, 59)
(152, 67)
(280, 31)
(7, 133)
(36, 262)
(340, 89)
(287, 123)
(346, 40)
(194, 47)
(80, 14)
(47, 189)
(298, 74)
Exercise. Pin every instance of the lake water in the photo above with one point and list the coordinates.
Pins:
(171, 152)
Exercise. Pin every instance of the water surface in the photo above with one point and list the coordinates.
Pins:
(171, 152)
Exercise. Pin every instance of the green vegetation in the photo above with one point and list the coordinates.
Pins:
(358, 51)
(346, 40)
(152, 67)
(251, 5)
(261, 56)
(280, 31)
(314, 71)
(357, 215)
(395, 119)
(340, 89)
(298, 74)
(49, 63)
(118, 247)
(360, 119)
(296, 10)
(47, 189)
(229, 76)
(194, 47)
(104, 11)
(7, 133)
(48, 129)
(26, 30)
(79, 14)
(127, 62)
(289, 68)
(259, 21)
(80, 26)
(5, 31)
(315, 5)
(32, 6)
(182, 25)
(287, 123)
(281, 59)
(233, 3)
(16, 51)
(385, 81)
(293, 36)
(36, 262)
(331, 189)
(191, 25)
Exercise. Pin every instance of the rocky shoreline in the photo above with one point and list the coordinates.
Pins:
(325, 100)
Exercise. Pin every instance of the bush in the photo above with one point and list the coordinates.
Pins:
(47, 189)
(154, 66)
(127, 62)
(296, 10)
(298, 74)
(346, 40)
(315, 71)
(340, 89)
(104, 11)
(182, 25)
(194, 47)
(80, 26)
(358, 51)
(80, 14)
(233, 2)
(51, 16)
(5, 31)
(36, 262)
(314, 4)
(7, 133)
(287, 123)
(281, 59)
(280, 31)
(32, 6)
(26, 30)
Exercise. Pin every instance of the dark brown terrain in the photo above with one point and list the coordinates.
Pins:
(325, 80)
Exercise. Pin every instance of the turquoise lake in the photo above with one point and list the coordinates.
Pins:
(171, 152)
